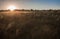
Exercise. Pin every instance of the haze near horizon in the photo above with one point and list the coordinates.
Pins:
(30, 4)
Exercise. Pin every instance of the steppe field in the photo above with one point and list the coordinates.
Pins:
(30, 24)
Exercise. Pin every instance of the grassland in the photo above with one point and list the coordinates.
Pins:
(30, 24)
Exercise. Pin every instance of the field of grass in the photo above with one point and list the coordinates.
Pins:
(30, 24)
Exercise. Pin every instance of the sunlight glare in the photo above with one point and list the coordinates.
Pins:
(11, 7)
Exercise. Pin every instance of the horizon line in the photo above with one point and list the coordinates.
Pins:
(31, 9)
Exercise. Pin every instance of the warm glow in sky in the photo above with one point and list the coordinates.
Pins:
(11, 7)
(31, 4)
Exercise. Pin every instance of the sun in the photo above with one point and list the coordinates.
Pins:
(11, 8)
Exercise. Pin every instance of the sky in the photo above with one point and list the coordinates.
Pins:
(31, 4)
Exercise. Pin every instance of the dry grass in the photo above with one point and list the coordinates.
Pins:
(43, 24)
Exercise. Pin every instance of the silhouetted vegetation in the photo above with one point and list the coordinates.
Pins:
(35, 24)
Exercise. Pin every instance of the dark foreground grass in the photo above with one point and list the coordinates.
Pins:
(44, 24)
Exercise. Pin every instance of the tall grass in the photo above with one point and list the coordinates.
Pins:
(39, 24)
